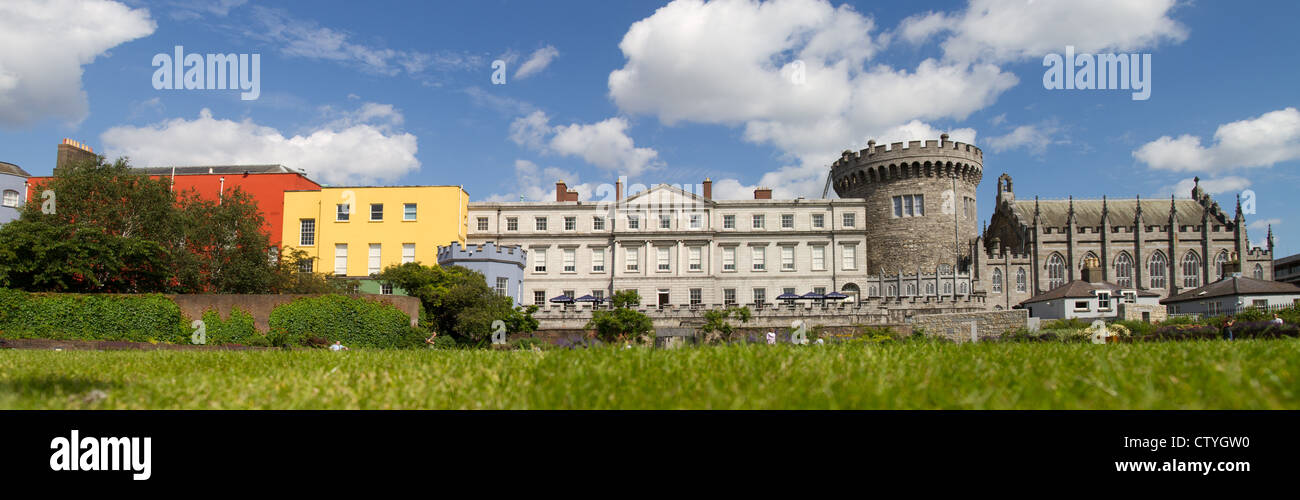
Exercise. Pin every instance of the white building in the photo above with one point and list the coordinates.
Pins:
(1088, 298)
(677, 247)
(1233, 294)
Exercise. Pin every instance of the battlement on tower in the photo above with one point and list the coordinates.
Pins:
(454, 253)
(896, 151)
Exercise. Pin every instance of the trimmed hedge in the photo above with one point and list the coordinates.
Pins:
(135, 318)
(239, 328)
(355, 322)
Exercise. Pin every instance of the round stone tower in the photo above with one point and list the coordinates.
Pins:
(921, 209)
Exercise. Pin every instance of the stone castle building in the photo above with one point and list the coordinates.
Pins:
(902, 237)
(1033, 246)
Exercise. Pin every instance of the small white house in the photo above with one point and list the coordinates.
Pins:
(1088, 298)
(1232, 294)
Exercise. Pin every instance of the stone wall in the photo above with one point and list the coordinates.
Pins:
(953, 326)
(874, 311)
(957, 327)
(1134, 312)
(261, 305)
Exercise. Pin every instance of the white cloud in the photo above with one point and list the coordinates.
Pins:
(604, 144)
(1010, 30)
(1216, 186)
(918, 28)
(359, 148)
(1263, 224)
(1031, 138)
(194, 9)
(533, 183)
(43, 46)
(538, 61)
(750, 77)
(305, 38)
(1262, 141)
(508, 106)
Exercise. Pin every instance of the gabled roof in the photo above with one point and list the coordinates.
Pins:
(11, 169)
(1079, 289)
(1235, 285)
(666, 190)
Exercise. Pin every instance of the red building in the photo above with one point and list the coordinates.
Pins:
(266, 184)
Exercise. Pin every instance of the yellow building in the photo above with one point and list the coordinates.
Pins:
(358, 231)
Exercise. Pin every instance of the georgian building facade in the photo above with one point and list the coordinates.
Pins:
(681, 248)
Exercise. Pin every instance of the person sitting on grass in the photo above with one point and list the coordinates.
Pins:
(432, 336)
(338, 346)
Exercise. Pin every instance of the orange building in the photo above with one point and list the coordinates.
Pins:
(266, 184)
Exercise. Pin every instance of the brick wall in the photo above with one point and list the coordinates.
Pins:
(260, 305)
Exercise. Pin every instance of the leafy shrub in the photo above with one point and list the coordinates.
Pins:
(528, 343)
(134, 318)
(1067, 324)
(356, 322)
(444, 342)
(237, 329)
(1178, 320)
(1263, 330)
(1137, 327)
(1184, 332)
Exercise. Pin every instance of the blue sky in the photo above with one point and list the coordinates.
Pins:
(401, 92)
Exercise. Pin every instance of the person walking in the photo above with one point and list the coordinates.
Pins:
(1227, 327)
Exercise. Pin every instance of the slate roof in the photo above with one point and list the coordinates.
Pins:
(11, 169)
(1235, 285)
(1079, 289)
(1120, 212)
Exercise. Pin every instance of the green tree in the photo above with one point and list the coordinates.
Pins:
(716, 325)
(38, 255)
(458, 301)
(113, 229)
(289, 276)
(622, 322)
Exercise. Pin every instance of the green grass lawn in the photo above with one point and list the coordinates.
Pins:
(1261, 374)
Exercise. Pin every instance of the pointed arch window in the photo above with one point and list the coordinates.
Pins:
(1259, 272)
(1158, 270)
(1022, 283)
(1191, 270)
(1055, 271)
(997, 281)
(1218, 265)
(1124, 270)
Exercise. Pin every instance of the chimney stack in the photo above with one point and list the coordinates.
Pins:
(72, 152)
(762, 193)
(563, 193)
(1092, 270)
(1232, 268)
(708, 188)
(618, 189)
